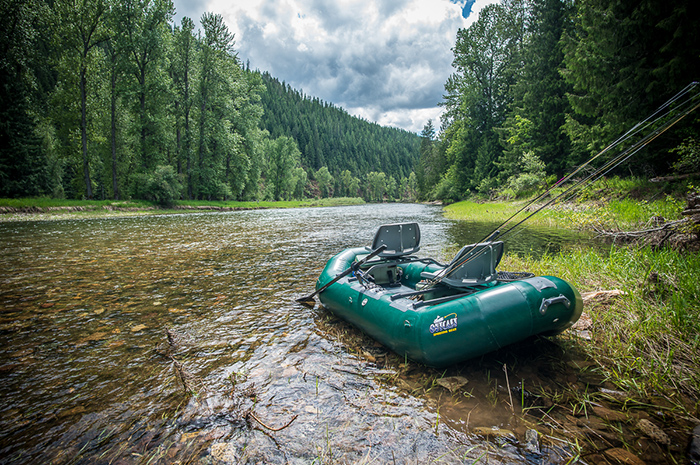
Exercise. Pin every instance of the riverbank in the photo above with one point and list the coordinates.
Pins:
(43, 209)
(640, 326)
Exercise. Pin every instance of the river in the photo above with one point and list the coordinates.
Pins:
(103, 319)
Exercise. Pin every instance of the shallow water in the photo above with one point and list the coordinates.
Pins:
(87, 374)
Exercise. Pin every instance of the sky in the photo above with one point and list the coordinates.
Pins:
(386, 61)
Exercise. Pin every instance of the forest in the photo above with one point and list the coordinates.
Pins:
(105, 99)
(539, 86)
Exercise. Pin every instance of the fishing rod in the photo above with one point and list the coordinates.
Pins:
(680, 111)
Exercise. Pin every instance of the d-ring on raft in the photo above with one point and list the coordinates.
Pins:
(414, 307)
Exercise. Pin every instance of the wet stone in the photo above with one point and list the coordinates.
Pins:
(224, 453)
(452, 383)
(653, 431)
(616, 395)
(694, 449)
(592, 422)
(493, 432)
(608, 414)
(532, 444)
(623, 456)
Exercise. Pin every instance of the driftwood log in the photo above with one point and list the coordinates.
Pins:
(680, 234)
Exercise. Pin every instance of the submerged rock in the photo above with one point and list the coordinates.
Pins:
(608, 414)
(452, 383)
(653, 431)
(494, 432)
(619, 455)
(532, 444)
(224, 453)
(694, 449)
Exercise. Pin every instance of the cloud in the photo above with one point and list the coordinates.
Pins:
(386, 61)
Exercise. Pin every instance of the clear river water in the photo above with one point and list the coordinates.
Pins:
(164, 339)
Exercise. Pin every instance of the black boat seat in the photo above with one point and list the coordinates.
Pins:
(401, 239)
(478, 265)
(386, 274)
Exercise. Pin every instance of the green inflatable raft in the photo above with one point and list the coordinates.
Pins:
(442, 314)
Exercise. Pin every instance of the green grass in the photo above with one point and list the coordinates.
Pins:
(46, 202)
(43, 208)
(609, 204)
(478, 211)
(648, 339)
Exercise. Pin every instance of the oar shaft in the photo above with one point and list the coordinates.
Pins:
(371, 255)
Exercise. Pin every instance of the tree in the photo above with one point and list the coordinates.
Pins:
(282, 156)
(623, 59)
(224, 103)
(299, 180)
(81, 29)
(23, 163)
(325, 181)
(329, 136)
(432, 164)
(349, 184)
(487, 62)
(376, 186)
(182, 60)
(541, 91)
(144, 29)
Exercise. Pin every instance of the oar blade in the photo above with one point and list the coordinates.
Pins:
(307, 301)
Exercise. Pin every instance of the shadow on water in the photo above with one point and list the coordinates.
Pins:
(88, 373)
(524, 240)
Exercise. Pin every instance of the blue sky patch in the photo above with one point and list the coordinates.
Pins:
(466, 6)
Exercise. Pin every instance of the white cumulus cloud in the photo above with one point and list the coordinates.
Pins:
(386, 61)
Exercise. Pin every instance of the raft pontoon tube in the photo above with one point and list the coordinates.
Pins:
(412, 306)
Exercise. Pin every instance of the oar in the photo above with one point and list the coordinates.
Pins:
(309, 299)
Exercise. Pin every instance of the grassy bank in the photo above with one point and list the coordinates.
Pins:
(46, 208)
(646, 340)
(611, 212)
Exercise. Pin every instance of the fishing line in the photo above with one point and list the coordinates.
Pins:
(691, 103)
(620, 158)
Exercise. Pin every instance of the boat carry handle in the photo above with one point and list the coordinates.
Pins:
(554, 300)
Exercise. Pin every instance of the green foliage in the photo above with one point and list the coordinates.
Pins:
(623, 59)
(162, 186)
(328, 136)
(375, 186)
(487, 63)
(24, 164)
(530, 178)
(97, 96)
(447, 189)
(325, 181)
(432, 164)
(282, 179)
(689, 161)
(348, 184)
(560, 80)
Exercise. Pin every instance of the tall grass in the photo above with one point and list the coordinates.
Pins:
(648, 339)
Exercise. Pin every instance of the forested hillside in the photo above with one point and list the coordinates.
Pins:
(108, 99)
(329, 136)
(541, 85)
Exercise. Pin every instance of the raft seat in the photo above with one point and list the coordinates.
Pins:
(386, 274)
(401, 239)
(478, 267)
